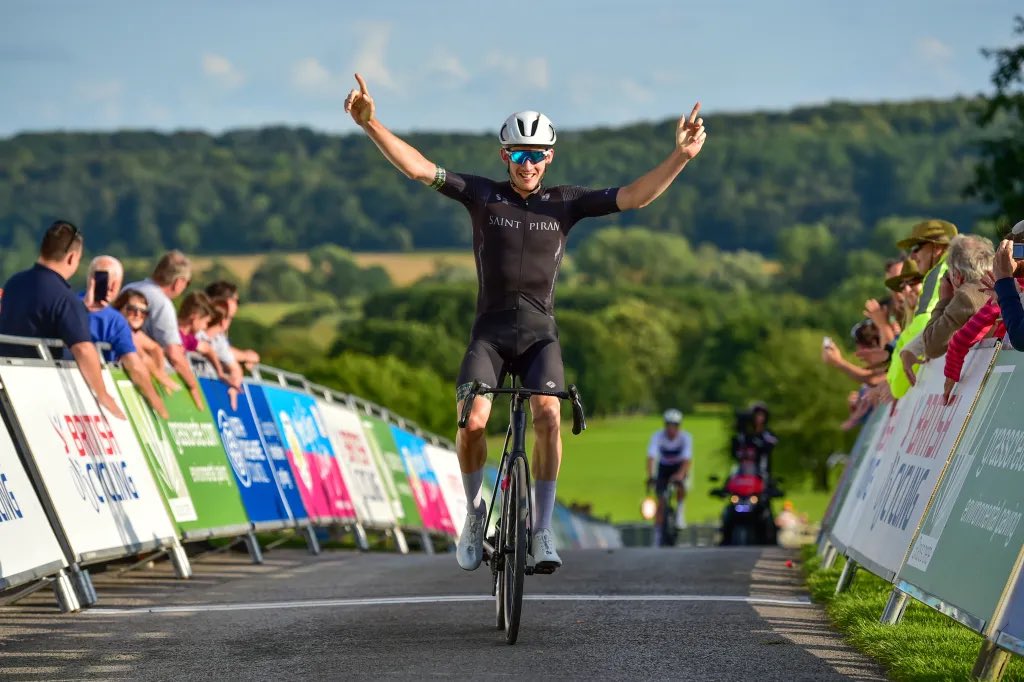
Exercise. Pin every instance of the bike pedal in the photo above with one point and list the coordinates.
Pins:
(545, 569)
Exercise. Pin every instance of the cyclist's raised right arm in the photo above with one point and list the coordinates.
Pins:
(400, 153)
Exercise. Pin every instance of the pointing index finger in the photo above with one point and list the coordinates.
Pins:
(693, 114)
(362, 85)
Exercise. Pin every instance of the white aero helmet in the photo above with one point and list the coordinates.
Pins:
(527, 128)
(673, 416)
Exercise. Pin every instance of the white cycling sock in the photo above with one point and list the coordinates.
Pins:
(544, 499)
(473, 483)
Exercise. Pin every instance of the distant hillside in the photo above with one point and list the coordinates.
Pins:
(288, 189)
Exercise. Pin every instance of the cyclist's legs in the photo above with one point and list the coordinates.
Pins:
(481, 363)
(541, 368)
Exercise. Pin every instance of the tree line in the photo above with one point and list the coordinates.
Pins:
(138, 193)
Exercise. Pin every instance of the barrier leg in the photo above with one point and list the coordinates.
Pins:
(82, 583)
(846, 577)
(311, 542)
(991, 663)
(831, 554)
(428, 544)
(362, 542)
(253, 545)
(179, 559)
(403, 546)
(895, 607)
(67, 600)
(823, 547)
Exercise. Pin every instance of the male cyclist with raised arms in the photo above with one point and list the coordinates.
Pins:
(519, 232)
(668, 460)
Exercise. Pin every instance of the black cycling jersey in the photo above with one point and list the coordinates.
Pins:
(519, 243)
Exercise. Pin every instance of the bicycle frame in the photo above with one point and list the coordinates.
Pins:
(517, 434)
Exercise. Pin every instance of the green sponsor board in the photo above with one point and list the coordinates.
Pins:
(188, 460)
(969, 540)
(396, 482)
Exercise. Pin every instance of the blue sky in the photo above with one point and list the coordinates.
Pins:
(462, 65)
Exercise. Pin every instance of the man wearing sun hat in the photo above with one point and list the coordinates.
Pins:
(927, 243)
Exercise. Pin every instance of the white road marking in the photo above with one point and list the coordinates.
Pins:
(449, 599)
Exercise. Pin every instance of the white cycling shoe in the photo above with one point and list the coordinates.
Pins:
(545, 556)
(470, 551)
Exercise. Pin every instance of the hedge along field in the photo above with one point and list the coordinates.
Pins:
(605, 467)
(402, 268)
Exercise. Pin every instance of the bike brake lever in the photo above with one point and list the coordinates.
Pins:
(579, 420)
(467, 407)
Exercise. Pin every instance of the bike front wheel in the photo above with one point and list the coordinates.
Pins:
(516, 510)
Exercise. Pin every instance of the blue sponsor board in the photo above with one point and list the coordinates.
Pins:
(276, 450)
(261, 497)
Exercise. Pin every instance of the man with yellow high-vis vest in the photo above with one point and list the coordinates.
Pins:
(928, 242)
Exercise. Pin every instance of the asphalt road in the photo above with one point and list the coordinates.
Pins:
(698, 614)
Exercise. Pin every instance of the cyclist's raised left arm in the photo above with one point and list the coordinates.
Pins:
(690, 136)
(400, 153)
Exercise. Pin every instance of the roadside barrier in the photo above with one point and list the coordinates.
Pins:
(284, 456)
(932, 501)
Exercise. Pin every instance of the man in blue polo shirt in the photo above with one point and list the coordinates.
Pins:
(39, 303)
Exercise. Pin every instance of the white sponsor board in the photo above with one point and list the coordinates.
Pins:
(90, 463)
(445, 464)
(27, 543)
(861, 488)
(363, 478)
(916, 454)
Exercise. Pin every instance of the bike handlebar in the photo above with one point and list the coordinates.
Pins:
(579, 420)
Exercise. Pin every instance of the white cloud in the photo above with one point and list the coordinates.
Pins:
(312, 77)
(220, 69)
(448, 68)
(102, 98)
(531, 74)
(933, 51)
(370, 57)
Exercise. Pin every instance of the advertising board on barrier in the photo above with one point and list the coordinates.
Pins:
(277, 453)
(28, 547)
(445, 464)
(422, 479)
(263, 500)
(323, 490)
(1009, 628)
(918, 452)
(849, 516)
(369, 495)
(91, 465)
(853, 461)
(382, 445)
(975, 516)
(188, 458)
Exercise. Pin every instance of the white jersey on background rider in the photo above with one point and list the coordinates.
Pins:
(670, 451)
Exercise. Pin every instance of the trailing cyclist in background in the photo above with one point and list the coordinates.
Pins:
(519, 228)
(668, 463)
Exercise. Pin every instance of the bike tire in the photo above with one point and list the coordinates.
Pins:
(499, 600)
(741, 535)
(515, 548)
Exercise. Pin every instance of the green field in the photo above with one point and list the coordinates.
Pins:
(606, 467)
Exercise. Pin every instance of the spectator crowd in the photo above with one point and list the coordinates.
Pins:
(137, 324)
(948, 291)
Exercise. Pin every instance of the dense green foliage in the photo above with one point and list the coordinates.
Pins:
(841, 165)
(998, 176)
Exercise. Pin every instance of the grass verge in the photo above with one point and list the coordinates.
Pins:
(925, 645)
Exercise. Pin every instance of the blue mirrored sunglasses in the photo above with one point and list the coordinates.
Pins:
(521, 156)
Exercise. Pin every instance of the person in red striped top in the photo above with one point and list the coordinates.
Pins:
(985, 323)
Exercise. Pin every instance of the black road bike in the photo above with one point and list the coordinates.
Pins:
(506, 551)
